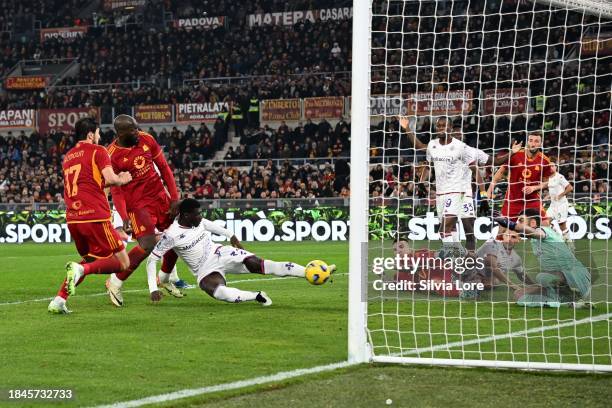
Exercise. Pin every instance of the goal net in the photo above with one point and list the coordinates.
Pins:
(430, 78)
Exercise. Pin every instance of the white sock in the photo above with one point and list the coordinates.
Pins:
(233, 295)
(449, 239)
(174, 275)
(115, 280)
(164, 277)
(284, 269)
(59, 300)
(455, 236)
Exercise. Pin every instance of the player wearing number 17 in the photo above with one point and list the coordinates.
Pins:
(87, 171)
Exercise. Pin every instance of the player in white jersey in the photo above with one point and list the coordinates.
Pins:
(558, 189)
(450, 157)
(500, 259)
(190, 236)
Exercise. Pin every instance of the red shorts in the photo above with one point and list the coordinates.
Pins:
(96, 239)
(145, 220)
(513, 209)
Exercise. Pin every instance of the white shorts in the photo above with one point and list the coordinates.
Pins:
(456, 204)
(225, 259)
(558, 211)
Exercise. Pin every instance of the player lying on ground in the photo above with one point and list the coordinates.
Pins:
(144, 205)
(500, 259)
(452, 160)
(190, 236)
(87, 170)
(563, 278)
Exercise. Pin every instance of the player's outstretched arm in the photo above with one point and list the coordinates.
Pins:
(568, 189)
(536, 187)
(520, 228)
(113, 179)
(503, 159)
(165, 244)
(409, 127)
(497, 177)
(219, 230)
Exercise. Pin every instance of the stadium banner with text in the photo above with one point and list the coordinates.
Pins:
(289, 18)
(388, 105)
(440, 103)
(600, 46)
(65, 33)
(205, 23)
(299, 224)
(17, 118)
(18, 83)
(505, 101)
(328, 107)
(115, 4)
(153, 113)
(200, 112)
(281, 109)
(63, 120)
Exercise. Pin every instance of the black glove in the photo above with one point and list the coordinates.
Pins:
(505, 222)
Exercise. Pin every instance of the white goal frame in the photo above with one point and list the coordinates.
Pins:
(359, 348)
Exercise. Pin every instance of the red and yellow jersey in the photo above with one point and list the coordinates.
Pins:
(523, 172)
(146, 186)
(84, 193)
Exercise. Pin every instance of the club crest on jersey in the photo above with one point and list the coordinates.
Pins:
(139, 162)
(526, 173)
(77, 204)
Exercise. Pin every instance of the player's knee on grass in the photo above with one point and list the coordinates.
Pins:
(211, 282)
(253, 264)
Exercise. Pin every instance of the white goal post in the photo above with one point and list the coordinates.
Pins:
(396, 43)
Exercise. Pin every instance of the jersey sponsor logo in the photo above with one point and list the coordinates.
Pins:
(139, 162)
(194, 243)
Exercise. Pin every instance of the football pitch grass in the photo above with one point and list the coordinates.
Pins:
(109, 355)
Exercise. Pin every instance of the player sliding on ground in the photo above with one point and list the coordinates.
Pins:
(563, 278)
(190, 236)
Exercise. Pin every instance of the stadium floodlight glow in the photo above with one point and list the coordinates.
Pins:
(499, 71)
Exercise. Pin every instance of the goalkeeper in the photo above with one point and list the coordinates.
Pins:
(563, 278)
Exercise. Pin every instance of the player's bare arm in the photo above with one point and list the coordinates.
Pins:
(235, 242)
(407, 125)
(497, 177)
(503, 159)
(493, 266)
(113, 179)
(568, 189)
(521, 228)
(535, 187)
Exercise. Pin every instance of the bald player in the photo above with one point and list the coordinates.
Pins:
(145, 204)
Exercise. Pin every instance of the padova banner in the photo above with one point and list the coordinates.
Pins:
(505, 101)
(17, 118)
(440, 103)
(65, 33)
(281, 109)
(328, 107)
(153, 113)
(20, 83)
(200, 112)
(288, 18)
(63, 120)
(205, 23)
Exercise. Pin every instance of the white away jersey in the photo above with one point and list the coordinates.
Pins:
(450, 162)
(475, 156)
(507, 261)
(556, 185)
(193, 245)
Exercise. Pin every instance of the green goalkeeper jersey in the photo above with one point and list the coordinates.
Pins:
(555, 256)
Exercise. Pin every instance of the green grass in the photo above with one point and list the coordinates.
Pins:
(108, 355)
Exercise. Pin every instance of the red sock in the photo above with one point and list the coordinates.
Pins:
(137, 255)
(63, 292)
(103, 266)
(168, 261)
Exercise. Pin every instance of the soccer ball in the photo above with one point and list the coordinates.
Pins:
(317, 272)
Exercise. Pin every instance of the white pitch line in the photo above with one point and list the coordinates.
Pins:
(448, 346)
(20, 302)
(281, 376)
